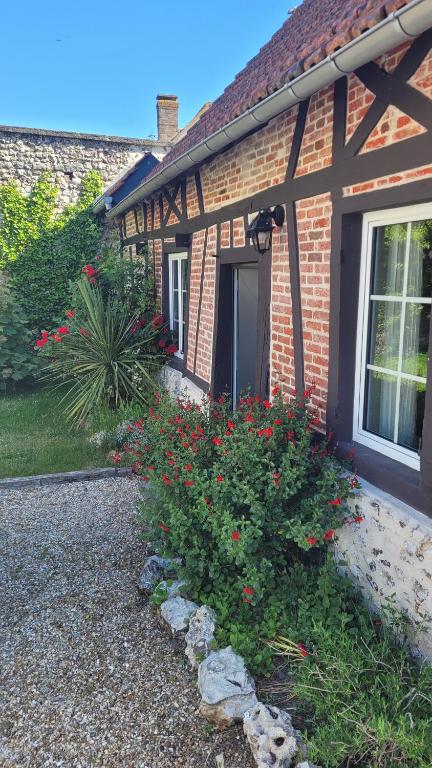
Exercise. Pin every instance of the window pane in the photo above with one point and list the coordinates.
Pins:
(184, 272)
(416, 339)
(380, 404)
(175, 306)
(420, 260)
(175, 274)
(384, 333)
(388, 259)
(411, 413)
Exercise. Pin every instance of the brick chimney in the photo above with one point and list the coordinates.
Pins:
(167, 117)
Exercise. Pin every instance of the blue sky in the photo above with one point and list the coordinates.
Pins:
(93, 66)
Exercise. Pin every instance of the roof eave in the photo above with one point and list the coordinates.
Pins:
(404, 24)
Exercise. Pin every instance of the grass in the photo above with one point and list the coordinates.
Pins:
(36, 439)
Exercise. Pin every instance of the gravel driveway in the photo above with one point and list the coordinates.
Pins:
(88, 676)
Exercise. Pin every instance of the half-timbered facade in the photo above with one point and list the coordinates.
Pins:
(333, 121)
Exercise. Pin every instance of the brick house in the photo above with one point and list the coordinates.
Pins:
(326, 133)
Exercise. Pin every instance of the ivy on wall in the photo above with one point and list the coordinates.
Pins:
(44, 250)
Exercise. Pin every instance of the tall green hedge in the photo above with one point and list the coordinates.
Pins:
(44, 251)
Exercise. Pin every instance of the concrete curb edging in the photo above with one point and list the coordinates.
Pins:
(35, 481)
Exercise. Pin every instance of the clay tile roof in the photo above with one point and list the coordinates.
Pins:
(313, 30)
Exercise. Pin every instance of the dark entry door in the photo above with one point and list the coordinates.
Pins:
(245, 329)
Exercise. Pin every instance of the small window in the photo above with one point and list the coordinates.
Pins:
(393, 332)
(178, 274)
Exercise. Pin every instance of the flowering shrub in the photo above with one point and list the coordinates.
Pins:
(102, 356)
(18, 364)
(245, 498)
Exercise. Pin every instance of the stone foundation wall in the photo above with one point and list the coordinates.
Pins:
(26, 153)
(389, 555)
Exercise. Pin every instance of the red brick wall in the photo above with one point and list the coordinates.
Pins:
(257, 163)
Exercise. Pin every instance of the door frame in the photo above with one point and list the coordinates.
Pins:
(222, 374)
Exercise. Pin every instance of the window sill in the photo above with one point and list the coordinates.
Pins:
(388, 474)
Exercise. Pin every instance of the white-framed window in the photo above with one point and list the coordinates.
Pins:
(178, 298)
(394, 321)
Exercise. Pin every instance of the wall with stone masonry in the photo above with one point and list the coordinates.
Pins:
(26, 153)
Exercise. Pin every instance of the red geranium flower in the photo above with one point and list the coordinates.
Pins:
(70, 313)
(359, 519)
(328, 535)
(189, 483)
(276, 478)
(188, 467)
(63, 329)
(230, 424)
(290, 414)
(116, 457)
(185, 445)
(248, 591)
(312, 540)
(162, 343)
(334, 502)
(267, 404)
(158, 320)
(275, 391)
(219, 478)
(166, 480)
(278, 422)
(171, 349)
(249, 418)
(169, 453)
(266, 432)
(164, 528)
(216, 441)
(89, 270)
(235, 536)
(41, 342)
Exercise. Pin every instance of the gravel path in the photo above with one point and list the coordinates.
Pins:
(88, 677)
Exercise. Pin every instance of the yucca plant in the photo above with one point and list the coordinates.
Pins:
(104, 356)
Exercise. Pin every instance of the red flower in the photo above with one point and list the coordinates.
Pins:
(355, 482)
(171, 462)
(166, 480)
(290, 414)
(248, 591)
(189, 483)
(267, 404)
(169, 453)
(89, 270)
(302, 649)
(334, 502)
(328, 535)
(275, 391)
(171, 349)
(267, 432)
(276, 478)
(235, 536)
(219, 478)
(230, 424)
(278, 422)
(70, 313)
(116, 457)
(188, 467)
(41, 342)
(164, 528)
(311, 540)
(245, 600)
(63, 329)
(56, 337)
(138, 425)
(158, 320)
(249, 418)
(136, 466)
(359, 519)
(216, 441)
(185, 445)
(162, 343)
(150, 468)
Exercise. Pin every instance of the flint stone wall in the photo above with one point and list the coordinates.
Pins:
(26, 153)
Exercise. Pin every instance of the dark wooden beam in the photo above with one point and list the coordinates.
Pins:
(199, 192)
(297, 139)
(297, 322)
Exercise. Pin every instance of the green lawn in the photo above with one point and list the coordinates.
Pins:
(35, 438)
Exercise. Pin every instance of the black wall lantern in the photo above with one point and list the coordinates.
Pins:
(260, 230)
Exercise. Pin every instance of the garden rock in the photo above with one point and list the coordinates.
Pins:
(200, 634)
(176, 612)
(306, 764)
(226, 687)
(155, 568)
(271, 736)
(173, 589)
